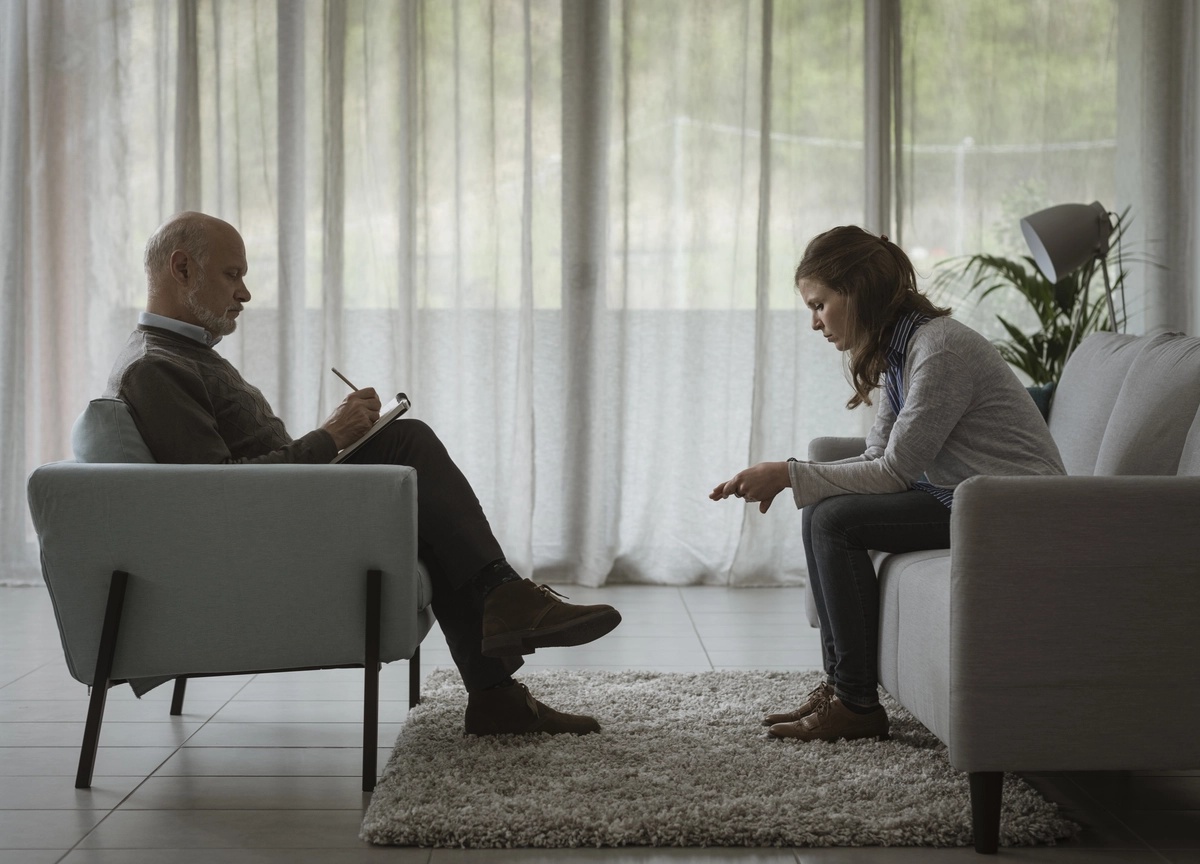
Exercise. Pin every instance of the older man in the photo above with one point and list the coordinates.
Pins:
(192, 406)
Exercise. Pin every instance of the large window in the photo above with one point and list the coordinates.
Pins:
(567, 227)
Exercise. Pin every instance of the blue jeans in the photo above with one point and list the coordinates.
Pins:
(837, 534)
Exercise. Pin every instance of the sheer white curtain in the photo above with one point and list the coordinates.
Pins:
(566, 229)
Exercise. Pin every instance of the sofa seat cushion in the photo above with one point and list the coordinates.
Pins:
(1084, 398)
(1154, 411)
(105, 432)
(914, 623)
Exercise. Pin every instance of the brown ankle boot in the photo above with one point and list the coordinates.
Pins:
(833, 721)
(820, 694)
(513, 711)
(519, 617)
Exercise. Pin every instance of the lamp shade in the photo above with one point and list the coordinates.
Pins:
(1066, 236)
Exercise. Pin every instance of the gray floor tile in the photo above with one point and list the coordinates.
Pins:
(1182, 856)
(31, 856)
(768, 657)
(1165, 829)
(170, 732)
(1121, 791)
(287, 735)
(46, 829)
(300, 711)
(364, 855)
(115, 711)
(269, 762)
(59, 793)
(227, 829)
(1099, 828)
(617, 653)
(249, 793)
(63, 761)
(278, 689)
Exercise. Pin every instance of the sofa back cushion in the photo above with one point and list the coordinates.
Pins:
(105, 432)
(1155, 409)
(1084, 398)
(1189, 460)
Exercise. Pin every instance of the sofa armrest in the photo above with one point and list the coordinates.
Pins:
(231, 567)
(833, 449)
(1073, 599)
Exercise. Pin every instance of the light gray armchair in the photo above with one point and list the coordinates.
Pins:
(1061, 630)
(160, 572)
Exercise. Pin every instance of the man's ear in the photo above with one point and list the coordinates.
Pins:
(181, 266)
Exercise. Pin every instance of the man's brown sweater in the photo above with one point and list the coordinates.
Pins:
(192, 406)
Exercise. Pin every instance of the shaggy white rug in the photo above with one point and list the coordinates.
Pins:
(682, 760)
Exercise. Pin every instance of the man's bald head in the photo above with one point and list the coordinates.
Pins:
(195, 272)
(189, 232)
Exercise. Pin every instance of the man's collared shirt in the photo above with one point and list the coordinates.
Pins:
(191, 331)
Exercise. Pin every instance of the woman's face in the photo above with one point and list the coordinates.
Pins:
(830, 312)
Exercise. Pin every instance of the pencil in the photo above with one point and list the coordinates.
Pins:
(344, 378)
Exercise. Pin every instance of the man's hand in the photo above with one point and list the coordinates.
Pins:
(353, 417)
(760, 483)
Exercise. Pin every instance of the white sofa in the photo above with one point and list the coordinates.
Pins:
(1061, 630)
(160, 572)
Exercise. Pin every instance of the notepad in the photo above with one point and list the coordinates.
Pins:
(387, 414)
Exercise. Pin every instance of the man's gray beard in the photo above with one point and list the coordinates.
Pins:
(218, 325)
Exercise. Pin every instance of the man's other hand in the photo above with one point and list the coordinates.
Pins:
(353, 417)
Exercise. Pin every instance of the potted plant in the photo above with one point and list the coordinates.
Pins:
(1065, 311)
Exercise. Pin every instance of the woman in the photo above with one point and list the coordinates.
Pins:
(951, 409)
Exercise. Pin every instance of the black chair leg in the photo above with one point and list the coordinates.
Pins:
(371, 680)
(101, 678)
(177, 696)
(414, 679)
(986, 791)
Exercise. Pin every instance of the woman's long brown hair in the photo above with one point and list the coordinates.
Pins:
(879, 284)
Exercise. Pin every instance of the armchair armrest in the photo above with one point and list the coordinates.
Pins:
(231, 567)
(1072, 600)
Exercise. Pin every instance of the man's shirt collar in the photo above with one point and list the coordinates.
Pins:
(191, 331)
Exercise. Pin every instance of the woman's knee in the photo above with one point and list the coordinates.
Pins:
(828, 517)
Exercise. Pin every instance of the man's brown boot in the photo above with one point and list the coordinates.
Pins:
(512, 710)
(519, 617)
(820, 694)
(832, 721)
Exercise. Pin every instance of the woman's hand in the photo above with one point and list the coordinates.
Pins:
(759, 483)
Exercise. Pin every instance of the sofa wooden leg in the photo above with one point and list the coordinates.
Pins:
(101, 678)
(986, 791)
(177, 696)
(371, 680)
(414, 679)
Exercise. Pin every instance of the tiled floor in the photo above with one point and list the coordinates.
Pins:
(264, 769)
